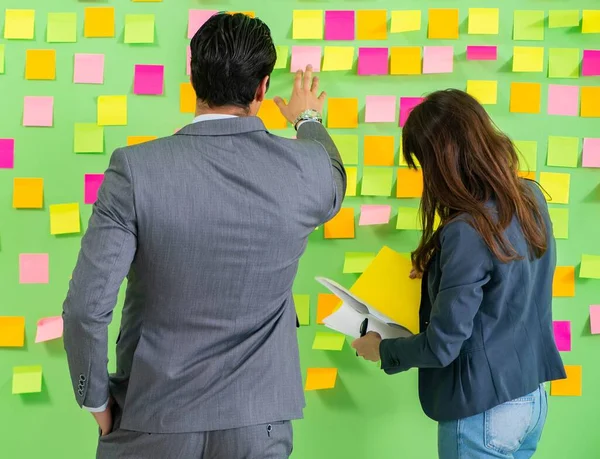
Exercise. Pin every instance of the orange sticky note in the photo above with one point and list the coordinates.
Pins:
(270, 114)
(563, 284)
(410, 183)
(352, 180)
(341, 226)
(187, 98)
(379, 150)
(320, 378)
(28, 193)
(342, 113)
(590, 101)
(443, 24)
(371, 25)
(99, 22)
(137, 139)
(40, 64)
(405, 60)
(12, 331)
(327, 303)
(570, 386)
(525, 97)
(529, 175)
(250, 14)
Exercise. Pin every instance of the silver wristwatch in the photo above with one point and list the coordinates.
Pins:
(308, 115)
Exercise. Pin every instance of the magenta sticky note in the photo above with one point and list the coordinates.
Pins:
(148, 79)
(562, 334)
(339, 25)
(305, 55)
(591, 62)
(197, 18)
(595, 319)
(88, 69)
(438, 59)
(92, 183)
(563, 100)
(380, 109)
(407, 104)
(374, 215)
(188, 61)
(482, 53)
(591, 152)
(49, 328)
(373, 61)
(7, 153)
(38, 111)
(33, 268)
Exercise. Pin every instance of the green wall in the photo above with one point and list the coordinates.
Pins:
(368, 414)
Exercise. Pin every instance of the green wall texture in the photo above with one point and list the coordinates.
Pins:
(367, 414)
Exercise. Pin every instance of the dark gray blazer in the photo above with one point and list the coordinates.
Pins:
(487, 326)
(208, 225)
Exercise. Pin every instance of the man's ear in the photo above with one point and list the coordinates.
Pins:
(261, 91)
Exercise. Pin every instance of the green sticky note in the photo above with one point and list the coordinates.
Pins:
(377, 181)
(357, 262)
(1, 58)
(408, 219)
(563, 18)
(62, 28)
(590, 267)
(563, 151)
(527, 152)
(327, 341)
(529, 25)
(282, 56)
(347, 145)
(139, 28)
(563, 63)
(560, 222)
(556, 186)
(302, 303)
(89, 138)
(27, 380)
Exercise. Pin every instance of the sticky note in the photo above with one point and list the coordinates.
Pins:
(591, 62)
(563, 18)
(485, 91)
(525, 97)
(337, 58)
(528, 25)
(302, 304)
(88, 138)
(380, 109)
(137, 139)
(271, 116)
(563, 284)
(482, 53)
(443, 24)
(305, 55)
(49, 328)
(557, 186)
(357, 262)
(563, 63)
(196, 19)
(563, 151)
(590, 267)
(528, 59)
(187, 98)
(410, 183)
(590, 101)
(347, 145)
(33, 268)
(19, 24)
(62, 28)
(320, 378)
(438, 59)
(407, 105)
(591, 21)
(28, 193)
(560, 222)
(1, 59)
(38, 111)
(377, 181)
(371, 25)
(408, 219)
(64, 219)
(570, 386)
(373, 61)
(7, 153)
(352, 180)
(92, 183)
(139, 28)
(595, 319)
(27, 380)
(405, 21)
(327, 303)
(405, 60)
(99, 22)
(328, 341)
(282, 56)
(374, 215)
(562, 335)
(341, 226)
(112, 110)
(342, 113)
(12, 331)
(378, 150)
(148, 79)
(591, 152)
(527, 153)
(40, 64)
(88, 68)
(339, 25)
(308, 25)
(484, 21)
(563, 100)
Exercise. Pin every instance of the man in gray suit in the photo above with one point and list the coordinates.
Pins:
(208, 226)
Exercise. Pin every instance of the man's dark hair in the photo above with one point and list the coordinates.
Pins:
(231, 54)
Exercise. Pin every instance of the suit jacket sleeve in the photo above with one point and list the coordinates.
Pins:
(107, 250)
(466, 264)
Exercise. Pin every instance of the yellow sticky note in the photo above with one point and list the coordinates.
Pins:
(342, 113)
(137, 139)
(371, 25)
(302, 305)
(19, 24)
(405, 60)
(27, 380)
(308, 24)
(484, 21)
(591, 21)
(410, 183)
(443, 24)
(557, 186)
(282, 56)
(187, 98)
(528, 59)
(590, 101)
(28, 193)
(64, 219)
(320, 378)
(328, 341)
(99, 22)
(563, 18)
(409, 219)
(563, 283)
(40, 64)
(62, 28)
(485, 91)
(338, 58)
(378, 150)
(525, 97)
(570, 386)
(112, 110)
(351, 180)
(341, 226)
(270, 114)
(327, 303)
(406, 21)
(12, 331)
(139, 28)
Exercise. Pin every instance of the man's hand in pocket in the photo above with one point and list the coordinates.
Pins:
(105, 419)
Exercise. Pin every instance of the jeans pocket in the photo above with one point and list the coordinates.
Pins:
(507, 425)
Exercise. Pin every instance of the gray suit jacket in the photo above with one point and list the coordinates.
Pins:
(208, 226)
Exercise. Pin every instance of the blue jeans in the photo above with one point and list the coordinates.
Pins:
(511, 430)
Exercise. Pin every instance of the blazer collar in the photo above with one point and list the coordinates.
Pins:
(229, 126)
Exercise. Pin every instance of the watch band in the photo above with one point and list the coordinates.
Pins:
(308, 115)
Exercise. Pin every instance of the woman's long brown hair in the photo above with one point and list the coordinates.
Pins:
(466, 163)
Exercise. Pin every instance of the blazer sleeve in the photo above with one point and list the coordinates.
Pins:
(107, 251)
(466, 265)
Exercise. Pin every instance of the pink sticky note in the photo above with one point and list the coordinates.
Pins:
(591, 62)
(562, 335)
(38, 111)
(563, 100)
(7, 153)
(482, 53)
(591, 152)
(49, 328)
(380, 109)
(595, 319)
(33, 268)
(374, 215)
(188, 61)
(373, 61)
(339, 25)
(407, 104)
(88, 68)
(148, 79)
(305, 55)
(438, 59)
(197, 18)
(92, 183)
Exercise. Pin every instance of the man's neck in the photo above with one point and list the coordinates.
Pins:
(203, 109)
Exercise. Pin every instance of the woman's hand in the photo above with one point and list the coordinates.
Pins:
(414, 274)
(368, 346)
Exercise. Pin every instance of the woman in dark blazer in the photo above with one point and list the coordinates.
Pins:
(486, 343)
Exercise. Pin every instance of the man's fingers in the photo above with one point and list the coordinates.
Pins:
(323, 96)
(307, 77)
(298, 80)
(279, 102)
(315, 85)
